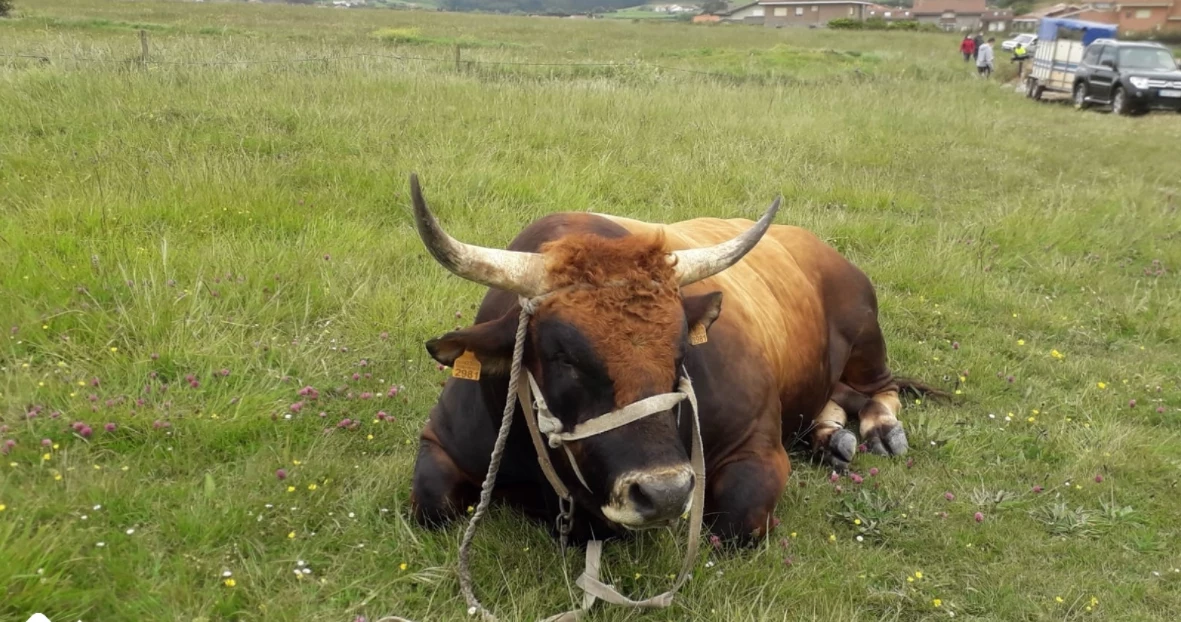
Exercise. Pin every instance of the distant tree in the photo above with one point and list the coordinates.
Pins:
(5, 8)
(714, 6)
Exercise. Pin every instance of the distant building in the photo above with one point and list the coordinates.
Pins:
(889, 13)
(1134, 17)
(752, 13)
(815, 13)
(674, 9)
(961, 15)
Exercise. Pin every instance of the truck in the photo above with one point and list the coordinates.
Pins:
(1060, 46)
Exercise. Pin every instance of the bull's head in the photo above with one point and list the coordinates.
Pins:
(613, 328)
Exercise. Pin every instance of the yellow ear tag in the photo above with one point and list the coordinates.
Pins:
(697, 336)
(466, 367)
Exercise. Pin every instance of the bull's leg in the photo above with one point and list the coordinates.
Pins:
(867, 373)
(741, 494)
(440, 490)
(880, 429)
(834, 444)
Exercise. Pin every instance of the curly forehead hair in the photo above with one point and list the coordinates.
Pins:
(629, 305)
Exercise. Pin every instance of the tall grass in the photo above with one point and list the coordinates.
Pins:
(245, 222)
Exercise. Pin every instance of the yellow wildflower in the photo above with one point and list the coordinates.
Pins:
(470, 509)
(856, 521)
(1031, 419)
(402, 566)
(918, 574)
(296, 462)
(1056, 354)
(56, 446)
(832, 537)
(910, 579)
(1020, 342)
(230, 582)
(312, 486)
(369, 438)
(1058, 599)
(793, 534)
(937, 602)
(3, 507)
(291, 489)
(57, 477)
(291, 535)
(46, 456)
(114, 349)
(1102, 385)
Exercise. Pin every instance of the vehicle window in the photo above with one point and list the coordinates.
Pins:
(1146, 58)
(1107, 54)
(1091, 57)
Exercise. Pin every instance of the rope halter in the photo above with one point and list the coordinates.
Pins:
(541, 421)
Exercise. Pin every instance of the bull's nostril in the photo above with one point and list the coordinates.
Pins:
(640, 499)
(660, 498)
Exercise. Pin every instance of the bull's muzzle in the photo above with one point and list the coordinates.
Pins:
(650, 498)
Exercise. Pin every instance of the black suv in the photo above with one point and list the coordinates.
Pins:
(1131, 77)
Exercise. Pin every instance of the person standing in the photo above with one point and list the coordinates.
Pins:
(985, 59)
(968, 47)
(978, 40)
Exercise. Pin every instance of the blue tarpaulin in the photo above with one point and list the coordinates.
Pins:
(1047, 29)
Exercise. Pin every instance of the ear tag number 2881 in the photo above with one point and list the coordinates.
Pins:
(466, 367)
(697, 336)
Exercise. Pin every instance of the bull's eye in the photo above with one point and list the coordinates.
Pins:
(565, 364)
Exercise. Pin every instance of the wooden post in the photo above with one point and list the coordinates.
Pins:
(457, 57)
(143, 47)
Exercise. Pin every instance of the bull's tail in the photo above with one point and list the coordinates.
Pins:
(918, 388)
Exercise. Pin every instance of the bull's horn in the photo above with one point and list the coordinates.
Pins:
(701, 263)
(523, 273)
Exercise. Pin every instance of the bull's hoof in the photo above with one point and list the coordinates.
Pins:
(887, 441)
(842, 446)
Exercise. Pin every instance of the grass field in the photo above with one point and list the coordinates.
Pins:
(184, 245)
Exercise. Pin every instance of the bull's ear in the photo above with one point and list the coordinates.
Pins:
(491, 342)
(703, 309)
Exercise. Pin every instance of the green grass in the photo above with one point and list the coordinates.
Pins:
(253, 217)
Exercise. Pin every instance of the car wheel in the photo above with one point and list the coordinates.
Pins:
(1119, 103)
(1080, 96)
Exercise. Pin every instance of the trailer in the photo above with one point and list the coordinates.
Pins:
(1060, 47)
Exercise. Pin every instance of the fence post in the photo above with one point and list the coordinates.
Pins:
(457, 57)
(143, 47)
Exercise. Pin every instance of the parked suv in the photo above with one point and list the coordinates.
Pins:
(1131, 77)
(1026, 39)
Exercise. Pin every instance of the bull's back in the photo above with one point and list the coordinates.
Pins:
(773, 297)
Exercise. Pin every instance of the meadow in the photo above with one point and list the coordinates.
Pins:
(187, 243)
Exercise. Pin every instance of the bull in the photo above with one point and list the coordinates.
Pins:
(629, 308)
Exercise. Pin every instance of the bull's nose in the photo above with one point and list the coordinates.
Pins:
(660, 498)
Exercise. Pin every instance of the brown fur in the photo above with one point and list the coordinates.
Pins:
(630, 308)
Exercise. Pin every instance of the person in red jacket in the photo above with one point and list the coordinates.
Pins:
(968, 47)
